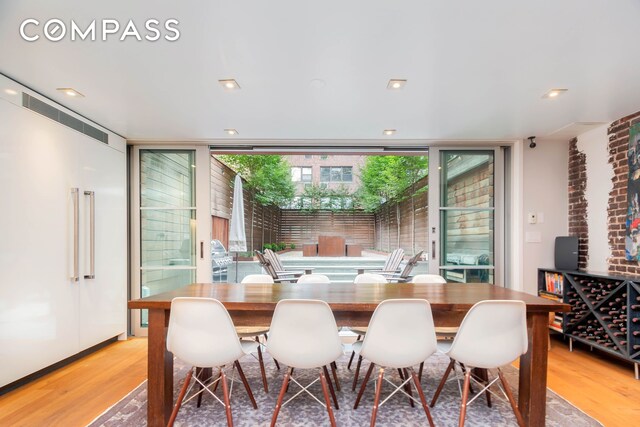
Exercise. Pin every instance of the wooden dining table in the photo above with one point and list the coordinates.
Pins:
(352, 305)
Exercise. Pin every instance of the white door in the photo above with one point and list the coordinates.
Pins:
(466, 214)
(103, 291)
(38, 299)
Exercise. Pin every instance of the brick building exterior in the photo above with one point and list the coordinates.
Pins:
(327, 170)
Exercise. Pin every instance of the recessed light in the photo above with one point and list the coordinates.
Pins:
(69, 91)
(388, 132)
(231, 131)
(395, 84)
(554, 93)
(10, 92)
(229, 84)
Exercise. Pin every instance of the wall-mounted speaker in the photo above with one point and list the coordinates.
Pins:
(566, 253)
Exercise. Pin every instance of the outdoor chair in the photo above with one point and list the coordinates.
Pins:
(405, 274)
(202, 334)
(492, 334)
(278, 277)
(400, 335)
(391, 265)
(304, 335)
(275, 261)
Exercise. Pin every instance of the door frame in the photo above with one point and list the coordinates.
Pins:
(203, 220)
(499, 225)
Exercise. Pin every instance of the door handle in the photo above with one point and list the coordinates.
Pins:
(76, 234)
(201, 249)
(92, 235)
(433, 249)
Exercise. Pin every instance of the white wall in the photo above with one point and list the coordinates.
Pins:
(599, 175)
(545, 182)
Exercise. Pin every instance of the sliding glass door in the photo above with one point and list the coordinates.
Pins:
(466, 231)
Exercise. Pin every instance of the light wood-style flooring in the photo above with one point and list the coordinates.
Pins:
(73, 396)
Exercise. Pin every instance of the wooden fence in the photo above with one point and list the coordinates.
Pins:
(405, 224)
(299, 227)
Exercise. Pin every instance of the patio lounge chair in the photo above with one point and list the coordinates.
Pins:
(391, 265)
(278, 276)
(405, 274)
(274, 259)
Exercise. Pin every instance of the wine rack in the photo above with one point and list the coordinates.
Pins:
(605, 310)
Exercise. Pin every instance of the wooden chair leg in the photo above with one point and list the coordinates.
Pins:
(334, 371)
(420, 371)
(353, 353)
(376, 400)
(183, 391)
(262, 371)
(483, 376)
(323, 381)
(287, 389)
(512, 401)
(442, 382)
(285, 385)
(416, 381)
(464, 371)
(355, 377)
(364, 385)
(204, 375)
(227, 402)
(246, 385)
(333, 392)
(465, 397)
(407, 387)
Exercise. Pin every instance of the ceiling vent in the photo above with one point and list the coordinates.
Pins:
(40, 107)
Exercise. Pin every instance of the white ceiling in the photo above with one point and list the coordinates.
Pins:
(475, 69)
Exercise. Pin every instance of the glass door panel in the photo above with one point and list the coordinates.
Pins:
(167, 221)
(467, 211)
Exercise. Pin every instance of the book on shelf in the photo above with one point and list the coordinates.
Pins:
(554, 282)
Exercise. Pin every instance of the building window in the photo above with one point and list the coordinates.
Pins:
(301, 174)
(336, 174)
(308, 156)
(324, 157)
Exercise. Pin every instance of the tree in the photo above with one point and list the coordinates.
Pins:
(386, 178)
(267, 178)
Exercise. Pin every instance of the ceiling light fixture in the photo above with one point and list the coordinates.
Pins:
(388, 132)
(69, 91)
(395, 84)
(229, 84)
(231, 131)
(10, 92)
(554, 93)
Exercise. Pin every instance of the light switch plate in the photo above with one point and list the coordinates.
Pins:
(532, 218)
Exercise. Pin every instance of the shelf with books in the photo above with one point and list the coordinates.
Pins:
(605, 310)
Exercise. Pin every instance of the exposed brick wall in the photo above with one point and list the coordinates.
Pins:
(618, 203)
(577, 201)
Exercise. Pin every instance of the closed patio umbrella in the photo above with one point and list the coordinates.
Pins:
(237, 235)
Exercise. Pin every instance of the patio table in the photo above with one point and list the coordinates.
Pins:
(352, 305)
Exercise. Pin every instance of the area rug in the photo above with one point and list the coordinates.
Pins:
(305, 412)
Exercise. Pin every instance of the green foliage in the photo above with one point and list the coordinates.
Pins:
(267, 246)
(385, 178)
(267, 176)
(316, 197)
(282, 246)
(292, 246)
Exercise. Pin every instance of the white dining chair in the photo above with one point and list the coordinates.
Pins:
(401, 335)
(363, 279)
(427, 279)
(369, 278)
(201, 333)
(255, 332)
(314, 278)
(491, 335)
(304, 335)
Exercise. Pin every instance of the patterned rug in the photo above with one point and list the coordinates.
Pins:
(304, 411)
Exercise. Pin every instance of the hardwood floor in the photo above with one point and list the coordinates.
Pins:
(73, 396)
(76, 394)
